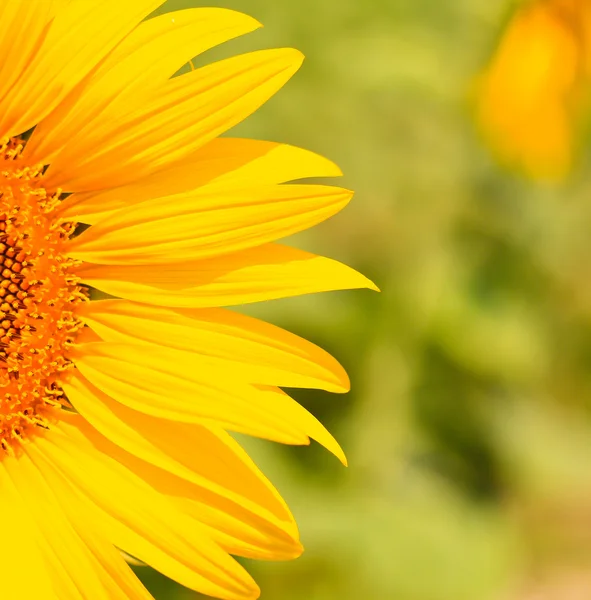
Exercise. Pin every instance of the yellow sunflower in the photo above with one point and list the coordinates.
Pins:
(114, 413)
(534, 97)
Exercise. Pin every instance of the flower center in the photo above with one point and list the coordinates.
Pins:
(38, 295)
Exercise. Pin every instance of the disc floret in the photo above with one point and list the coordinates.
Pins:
(38, 296)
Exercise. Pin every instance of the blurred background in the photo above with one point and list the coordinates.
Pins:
(462, 127)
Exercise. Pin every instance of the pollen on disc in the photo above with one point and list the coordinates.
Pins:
(38, 296)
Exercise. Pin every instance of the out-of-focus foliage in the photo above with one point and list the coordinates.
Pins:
(468, 429)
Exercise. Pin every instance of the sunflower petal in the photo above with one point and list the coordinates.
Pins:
(268, 354)
(236, 529)
(203, 225)
(182, 386)
(80, 36)
(188, 112)
(141, 521)
(264, 273)
(143, 61)
(23, 25)
(87, 561)
(24, 554)
(231, 497)
(228, 469)
(227, 162)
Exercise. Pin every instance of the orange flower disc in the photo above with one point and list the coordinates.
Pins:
(37, 296)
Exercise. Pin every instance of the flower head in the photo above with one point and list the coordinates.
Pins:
(114, 414)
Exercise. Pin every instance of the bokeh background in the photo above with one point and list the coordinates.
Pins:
(468, 429)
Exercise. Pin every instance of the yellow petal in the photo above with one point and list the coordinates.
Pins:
(84, 561)
(81, 35)
(186, 113)
(310, 424)
(206, 224)
(268, 354)
(126, 79)
(181, 386)
(139, 520)
(263, 273)
(237, 530)
(130, 560)
(223, 162)
(197, 468)
(22, 26)
(24, 554)
(180, 448)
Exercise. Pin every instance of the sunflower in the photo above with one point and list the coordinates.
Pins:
(115, 413)
(534, 97)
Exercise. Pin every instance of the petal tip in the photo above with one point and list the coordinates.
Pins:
(370, 285)
(342, 383)
(253, 23)
(322, 436)
(296, 57)
(367, 284)
(337, 451)
(298, 550)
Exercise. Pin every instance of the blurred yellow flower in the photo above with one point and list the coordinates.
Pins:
(533, 98)
(113, 413)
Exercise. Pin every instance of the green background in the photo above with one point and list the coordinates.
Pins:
(468, 429)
